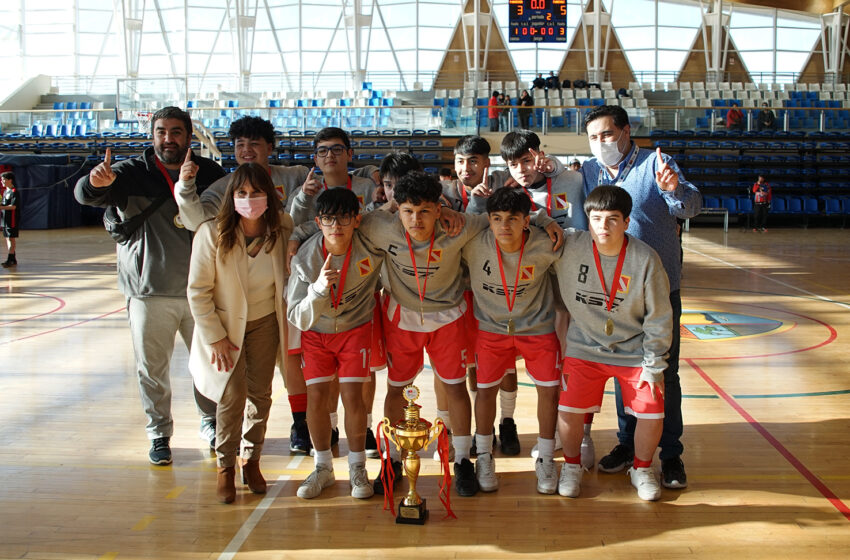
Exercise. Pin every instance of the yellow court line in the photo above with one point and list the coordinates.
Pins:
(175, 493)
(109, 556)
(143, 524)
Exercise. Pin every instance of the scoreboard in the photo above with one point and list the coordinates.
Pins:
(537, 21)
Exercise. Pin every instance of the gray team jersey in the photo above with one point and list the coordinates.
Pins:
(533, 309)
(642, 315)
(195, 210)
(313, 310)
(566, 205)
(304, 205)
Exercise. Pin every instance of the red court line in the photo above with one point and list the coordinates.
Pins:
(65, 327)
(796, 463)
(61, 305)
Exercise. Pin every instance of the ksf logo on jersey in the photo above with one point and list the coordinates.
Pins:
(364, 267)
(561, 202)
(436, 255)
(281, 193)
(526, 273)
(625, 281)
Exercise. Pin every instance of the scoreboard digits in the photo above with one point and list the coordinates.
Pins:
(537, 21)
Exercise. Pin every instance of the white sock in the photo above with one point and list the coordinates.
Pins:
(461, 445)
(324, 458)
(507, 402)
(483, 444)
(545, 448)
(369, 421)
(334, 420)
(444, 414)
(355, 457)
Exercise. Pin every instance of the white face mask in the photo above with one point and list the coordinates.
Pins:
(608, 153)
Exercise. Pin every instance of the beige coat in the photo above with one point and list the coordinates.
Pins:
(217, 298)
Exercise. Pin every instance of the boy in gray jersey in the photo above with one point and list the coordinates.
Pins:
(331, 299)
(514, 304)
(617, 293)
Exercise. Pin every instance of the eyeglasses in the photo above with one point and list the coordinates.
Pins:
(328, 220)
(336, 149)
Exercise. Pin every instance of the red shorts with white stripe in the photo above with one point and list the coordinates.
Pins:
(345, 353)
(470, 325)
(293, 340)
(495, 355)
(583, 384)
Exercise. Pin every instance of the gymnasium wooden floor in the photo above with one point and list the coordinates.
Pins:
(767, 411)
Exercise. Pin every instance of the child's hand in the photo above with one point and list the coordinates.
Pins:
(327, 277)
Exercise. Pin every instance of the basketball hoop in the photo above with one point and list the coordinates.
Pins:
(144, 120)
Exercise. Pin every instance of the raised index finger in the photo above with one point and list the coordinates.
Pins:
(310, 174)
(188, 156)
(107, 158)
(660, 159)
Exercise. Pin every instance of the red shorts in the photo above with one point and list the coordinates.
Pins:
(495, 355)
(293, 340)
(585, 384)
(470, 325)
(345, 353)
(446, 348)
(378, 361)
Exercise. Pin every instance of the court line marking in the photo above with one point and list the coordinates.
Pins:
(54, 310)
(762, 396)
(78, 323)
(254, 519)
(144, 523)
(790, 457)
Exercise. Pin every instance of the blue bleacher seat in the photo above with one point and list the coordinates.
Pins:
(832, 206)
(710, 202)
(795, 205)
(745, 205)
(810, 205)
(729, 203)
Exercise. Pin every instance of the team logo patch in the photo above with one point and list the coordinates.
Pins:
(623, 288)
(561, 202)
(436, 255)
(364, 266)
(281, 193)
(527, 273)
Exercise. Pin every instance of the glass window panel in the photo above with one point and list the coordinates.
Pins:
(433, 38)
(633, 12)
(796, 39)
(673, 38)
(752, 39)
(679, 14)
(636, 37)
(758, 61)
(791, 61)
(671, 61)
(744, 18)
(641, 60)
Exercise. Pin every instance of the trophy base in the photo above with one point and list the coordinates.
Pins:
(411, 515)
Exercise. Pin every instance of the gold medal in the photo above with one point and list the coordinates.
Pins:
(609, 327)
(511, 328)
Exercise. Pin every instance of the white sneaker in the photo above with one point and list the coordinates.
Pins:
(646, 482)
(547, 476)
(570, 484)
(485, 472)
(361, 488)
(315, 482)
(536, 454)
(588, 452)
(451, 451)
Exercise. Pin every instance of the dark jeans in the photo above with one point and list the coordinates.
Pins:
(670, 444)
(494, 124)
(760, 215)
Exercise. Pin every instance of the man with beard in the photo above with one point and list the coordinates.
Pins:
(153, 265)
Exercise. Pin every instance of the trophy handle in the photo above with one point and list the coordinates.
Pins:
(436, 430)
(386, 427)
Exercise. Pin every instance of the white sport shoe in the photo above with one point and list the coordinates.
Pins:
(361, 488)
(547, 476)
(315, 482)
(536, 454)
(588, 452)
(485, 472)
(569, 485)
(646, 482)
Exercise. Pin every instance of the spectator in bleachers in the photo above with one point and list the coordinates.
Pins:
(575, 165)
(580, 84)
(10, 216)
(539, 82)
(525, 100)
(566, 84)
(766, 118)
(622, 92)
(493, 112)
(762, 194)
(445, 174)
(553, 82)
(734, 118)
(504, 112)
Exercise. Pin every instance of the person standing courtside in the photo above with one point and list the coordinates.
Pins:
(10, 216)
(153, 265)
(660, 194)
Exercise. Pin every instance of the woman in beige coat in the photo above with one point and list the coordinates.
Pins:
(237, 282)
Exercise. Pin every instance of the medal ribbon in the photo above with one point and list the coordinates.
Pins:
(463, 196)
(617, 271)
(621, 177)
(165, 174)
(548, 197)
(336, 299)
(421, 289)
(510, 301)
(347, 184)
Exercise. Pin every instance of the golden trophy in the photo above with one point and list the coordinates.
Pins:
(409, 435)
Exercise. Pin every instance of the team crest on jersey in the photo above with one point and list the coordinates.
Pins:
(281, 193)
(364, 267)
(561, 202)
(623, 288)
(527, 273)
(436, 255)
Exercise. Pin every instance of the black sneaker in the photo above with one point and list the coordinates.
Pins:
(618, 459)
(508, 437)
(466, 484)
(299, 438)
(378, 484)
(160, 453)
(334, 436)
(371, 445)
(673, 473)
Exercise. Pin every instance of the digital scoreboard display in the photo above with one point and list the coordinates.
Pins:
(537, 21)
